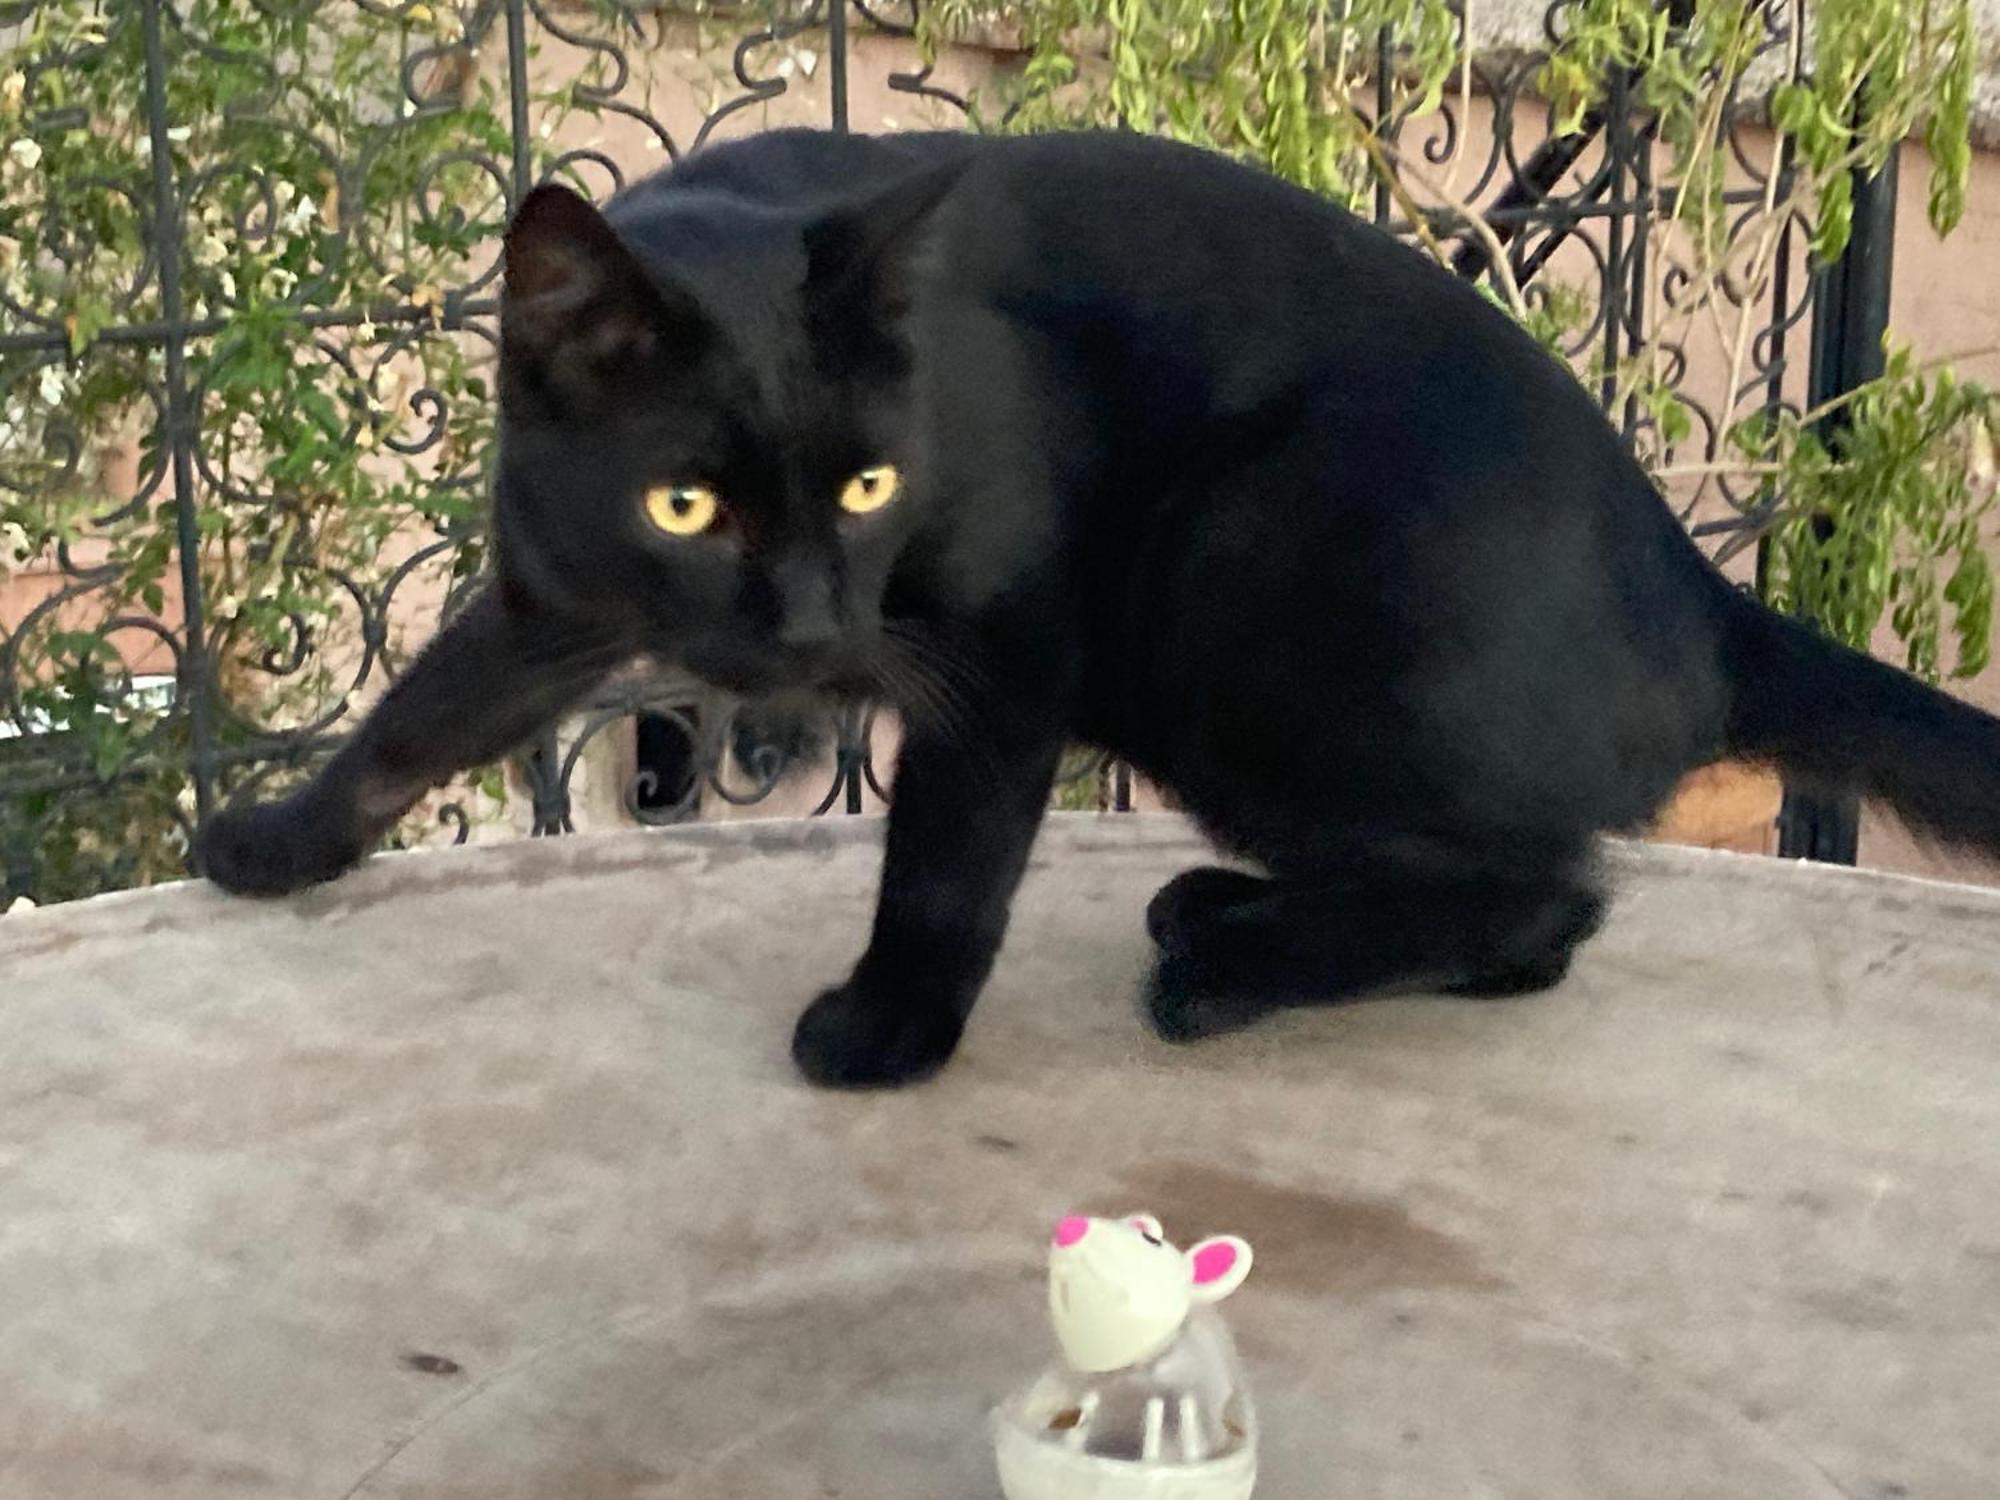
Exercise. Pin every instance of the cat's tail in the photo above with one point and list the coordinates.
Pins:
(1835, 720)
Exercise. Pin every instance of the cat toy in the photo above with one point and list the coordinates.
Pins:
(1147, 1401)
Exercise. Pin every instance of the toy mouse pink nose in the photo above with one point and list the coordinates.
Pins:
(1070, 1231)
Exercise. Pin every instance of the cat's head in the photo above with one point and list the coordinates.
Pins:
(712, 442)
(1119, 1292)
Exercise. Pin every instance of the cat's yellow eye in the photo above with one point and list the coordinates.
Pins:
(871, 489)
(682, 509)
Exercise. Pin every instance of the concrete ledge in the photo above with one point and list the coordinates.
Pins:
(483, 1176)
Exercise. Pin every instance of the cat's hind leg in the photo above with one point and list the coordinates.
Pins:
(1235, 947)
(1194, 894)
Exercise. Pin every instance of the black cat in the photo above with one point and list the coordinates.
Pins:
(1092, 437)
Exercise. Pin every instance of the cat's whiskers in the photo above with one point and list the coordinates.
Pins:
(947, 682)
(934, 687)
(916, 697)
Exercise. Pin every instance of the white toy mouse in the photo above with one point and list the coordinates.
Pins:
(1119, 1292)
(1148, 1399)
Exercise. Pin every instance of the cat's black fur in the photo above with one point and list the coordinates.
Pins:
(1199, 469)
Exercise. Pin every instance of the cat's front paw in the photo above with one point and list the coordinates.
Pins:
(1187, 1002)
(272, 848)
(850, 1039)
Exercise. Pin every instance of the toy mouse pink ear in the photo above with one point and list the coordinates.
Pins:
(1145, 1224)
(1070, 1230)
(1217, 1266)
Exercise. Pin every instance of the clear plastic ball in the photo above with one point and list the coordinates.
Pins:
(1178, 1427)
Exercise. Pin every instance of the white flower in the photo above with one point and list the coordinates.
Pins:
(282, 281)
(180, 133)
(50, 384)
(210, 250)
(13, 89)
(366, 330)
(228, 285)
(1984, 463)
(20, 904)
(27, 153)
(228, 607)
(282, 192)
(13, 542)
(429, 299)
(299, 216)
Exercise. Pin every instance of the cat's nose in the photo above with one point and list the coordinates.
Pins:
(809, 632)
(808, 622)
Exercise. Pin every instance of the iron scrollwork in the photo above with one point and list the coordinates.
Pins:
(133, 695)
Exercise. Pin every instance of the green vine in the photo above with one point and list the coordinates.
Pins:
(1900, 488)
(1877, 70)
(328, 456)
(1253, 78)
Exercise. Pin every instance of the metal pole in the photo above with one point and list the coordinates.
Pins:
(1850, 315)
(195, 676)
(1617, 132)
(836, 48)
(1385, 101)
(541, 765)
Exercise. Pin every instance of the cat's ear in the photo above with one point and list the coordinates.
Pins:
(862, 259)
(575, 302)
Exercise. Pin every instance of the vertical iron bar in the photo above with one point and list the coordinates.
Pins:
(1784, 164)
(854, 750)
(1385, 100)
(542, 765)
(1781, 287)
(1850, 315)
(1635, 322)
(195, 675)
(1868, 263)
(517, 97)
(836, 47)
(1611, 289)
(1774, 381)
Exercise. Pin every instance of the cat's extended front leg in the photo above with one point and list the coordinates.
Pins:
(487, 682)
(962, 818)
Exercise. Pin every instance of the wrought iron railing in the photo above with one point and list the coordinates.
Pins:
(100, 786)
